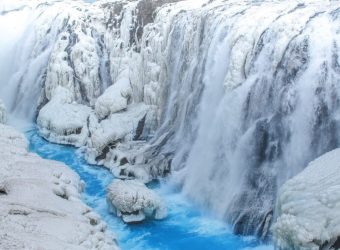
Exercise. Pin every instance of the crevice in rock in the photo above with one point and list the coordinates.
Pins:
(106, 150)
(140, 128)
(18, 212)
(61, 193)
(3, 191)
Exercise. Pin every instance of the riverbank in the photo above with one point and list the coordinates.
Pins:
(41, 205)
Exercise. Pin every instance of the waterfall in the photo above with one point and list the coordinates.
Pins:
(246, 92)
(253, 97)
(12, 25)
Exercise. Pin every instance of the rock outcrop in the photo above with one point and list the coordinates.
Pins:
(40, 202)
(308, 207)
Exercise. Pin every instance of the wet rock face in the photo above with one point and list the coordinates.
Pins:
(336, 244)
(115, 14)
(146, 13)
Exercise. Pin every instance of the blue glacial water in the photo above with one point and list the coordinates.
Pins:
(185, 227)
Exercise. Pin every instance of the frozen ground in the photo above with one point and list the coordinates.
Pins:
(40, 202)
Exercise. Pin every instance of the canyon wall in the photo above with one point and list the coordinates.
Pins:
(231, 97)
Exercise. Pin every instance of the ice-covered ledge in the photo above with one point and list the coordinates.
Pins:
(62, 120)
(309, 207)
(40, 205)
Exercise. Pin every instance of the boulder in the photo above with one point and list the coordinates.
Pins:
(134, 202)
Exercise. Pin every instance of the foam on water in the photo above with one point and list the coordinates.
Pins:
(184, 228)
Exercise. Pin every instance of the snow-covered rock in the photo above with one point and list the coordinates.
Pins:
(134, 202)
(117, 128)
(308, 207)
(114, 99)
(3, 113)
(40, 202)
(63, 121)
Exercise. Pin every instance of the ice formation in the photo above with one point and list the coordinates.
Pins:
(219, 93)
(116, 129)
(308, 207)
(134, 202)
(3, 113)
(41, 207)
(114, 99)
(63, 121)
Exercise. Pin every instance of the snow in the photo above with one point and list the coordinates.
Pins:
(63, 121)
(40, 203)
(134, 202)
(3, 113)
(308, 206)
(114, 99)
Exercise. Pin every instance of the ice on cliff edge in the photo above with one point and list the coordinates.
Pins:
(308, 207)
(41, 206)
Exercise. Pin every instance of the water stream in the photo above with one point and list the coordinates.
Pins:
(184, 228)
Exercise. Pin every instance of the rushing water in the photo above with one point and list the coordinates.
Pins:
(184, 228)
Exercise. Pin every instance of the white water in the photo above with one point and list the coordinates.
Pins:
(12, 27)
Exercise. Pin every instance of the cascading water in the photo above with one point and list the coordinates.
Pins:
(12, 26)
(269, 105)
(245, 93)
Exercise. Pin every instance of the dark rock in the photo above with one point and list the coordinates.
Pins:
(123, 161)
(140, 128)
